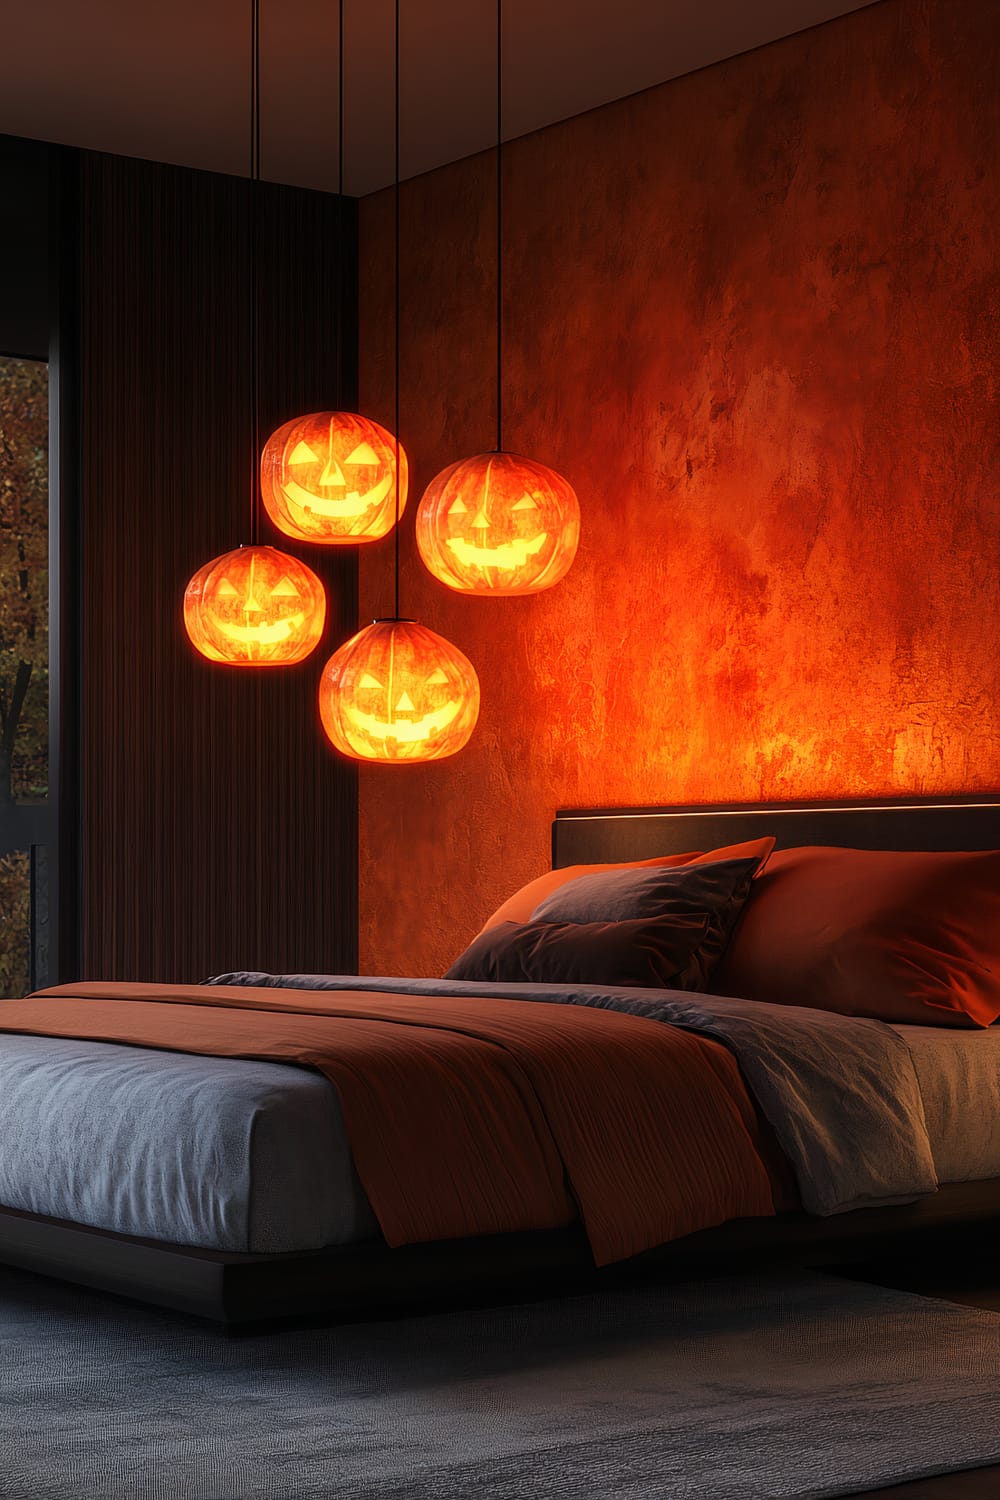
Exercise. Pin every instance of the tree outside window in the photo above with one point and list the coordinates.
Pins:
(24, 645)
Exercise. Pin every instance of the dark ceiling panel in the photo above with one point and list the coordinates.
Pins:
(169, 82)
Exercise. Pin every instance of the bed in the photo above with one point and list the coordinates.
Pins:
(274, 1133)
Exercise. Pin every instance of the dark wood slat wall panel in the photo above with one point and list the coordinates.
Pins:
(219, 830)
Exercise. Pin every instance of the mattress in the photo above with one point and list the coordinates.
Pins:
(959, 1077)
(219, 1153)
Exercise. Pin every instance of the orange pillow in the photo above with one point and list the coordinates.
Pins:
(866, 932)
(518, 908)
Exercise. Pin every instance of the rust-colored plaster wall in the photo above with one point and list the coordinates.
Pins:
(751, 314)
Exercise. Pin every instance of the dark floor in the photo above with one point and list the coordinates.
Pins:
(972, 1484)
(978, 1287)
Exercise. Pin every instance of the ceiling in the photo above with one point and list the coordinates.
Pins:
(170, 82)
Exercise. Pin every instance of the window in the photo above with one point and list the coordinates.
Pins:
(25, 823)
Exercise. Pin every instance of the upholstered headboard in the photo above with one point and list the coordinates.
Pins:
(599, 836)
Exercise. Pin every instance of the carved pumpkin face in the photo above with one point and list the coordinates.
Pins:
(398, 692)
(255, 607)
(331, 478)
(498, 524)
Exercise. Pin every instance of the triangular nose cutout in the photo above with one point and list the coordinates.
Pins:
(482, 521)
(405, 704)
(333, 474)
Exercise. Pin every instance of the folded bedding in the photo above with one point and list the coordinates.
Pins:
(839, 1092)
(472, 1114)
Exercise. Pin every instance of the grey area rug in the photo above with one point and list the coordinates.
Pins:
(767, 1386)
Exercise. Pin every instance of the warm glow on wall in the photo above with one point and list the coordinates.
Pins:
(330, 478)
(398, 692)
(499, 525)
(255, 607)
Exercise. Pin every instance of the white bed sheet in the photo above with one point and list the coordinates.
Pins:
(959, 1077)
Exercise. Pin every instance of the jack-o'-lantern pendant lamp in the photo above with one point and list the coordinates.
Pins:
(396, 692)
(330, 478)
(254, 606)
(498, 524)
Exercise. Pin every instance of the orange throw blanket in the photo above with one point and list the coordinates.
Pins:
(473, 1116)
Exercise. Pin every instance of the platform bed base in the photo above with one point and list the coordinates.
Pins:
(354, 1282)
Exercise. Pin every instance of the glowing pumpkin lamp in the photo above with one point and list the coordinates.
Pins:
(397, 692)
(330, 478)
(255, 607)
(498, 524)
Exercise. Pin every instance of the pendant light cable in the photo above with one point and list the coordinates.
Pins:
(499, 226)
(340, 206)
(492, 493)
(250, 580)
(396, 236)
(340, 100)
(252, 248)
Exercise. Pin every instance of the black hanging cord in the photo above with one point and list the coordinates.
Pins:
(499, 225)
(252, 250)
(396, 230)
(340, 205)
(340, 101)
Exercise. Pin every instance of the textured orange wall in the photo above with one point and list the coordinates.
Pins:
(748, 315)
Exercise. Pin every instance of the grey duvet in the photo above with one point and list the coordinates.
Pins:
(840, 1093)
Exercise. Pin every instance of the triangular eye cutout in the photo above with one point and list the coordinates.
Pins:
(303, 454)
(458, 508)
(525, 503)
(285, 589)
(364, 453)
(437, 679)
(226, 590)
(366, 680)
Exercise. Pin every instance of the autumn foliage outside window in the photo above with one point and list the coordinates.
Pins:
(24, 645)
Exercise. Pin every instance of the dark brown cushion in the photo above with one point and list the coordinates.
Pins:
(664, 953)
(520, 906)
(664, 928)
